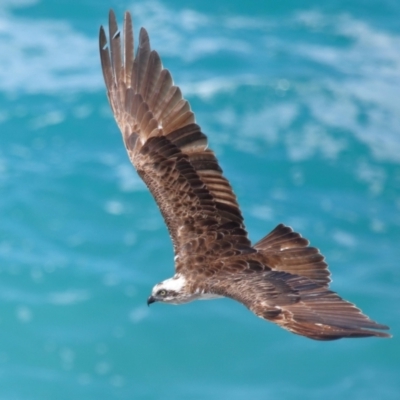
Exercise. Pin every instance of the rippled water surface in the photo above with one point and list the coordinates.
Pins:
(301, 103)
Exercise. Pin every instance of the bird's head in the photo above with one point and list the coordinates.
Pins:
(170, 291)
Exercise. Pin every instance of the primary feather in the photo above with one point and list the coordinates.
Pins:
(280, 278)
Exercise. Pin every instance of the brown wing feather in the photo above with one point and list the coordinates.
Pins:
(299, 305)
(281, 279)
(165, 145)
(285, 250)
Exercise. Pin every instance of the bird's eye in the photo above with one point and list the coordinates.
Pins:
(162, 292)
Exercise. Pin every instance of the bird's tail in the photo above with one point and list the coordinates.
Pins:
(312, 310)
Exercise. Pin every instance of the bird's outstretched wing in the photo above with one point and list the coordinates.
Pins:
(165, 144)
(285, 250)
(299, 305)
(286, 282)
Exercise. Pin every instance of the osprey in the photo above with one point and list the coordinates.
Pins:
(280, 279)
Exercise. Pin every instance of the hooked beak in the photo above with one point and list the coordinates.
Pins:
(150, 300)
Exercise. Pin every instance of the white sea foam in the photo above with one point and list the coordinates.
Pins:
(359, 96)
(369, 69)
(198, 34)
(68, 297)
(24, 314)
(373, 175)
(138, 314)
(344, 238)
(114, 207)
(45, 56)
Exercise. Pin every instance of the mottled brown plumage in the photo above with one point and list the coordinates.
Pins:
(280, 278)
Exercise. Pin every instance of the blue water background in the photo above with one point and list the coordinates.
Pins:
(301, 103)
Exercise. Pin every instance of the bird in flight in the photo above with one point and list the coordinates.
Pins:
(280, 278)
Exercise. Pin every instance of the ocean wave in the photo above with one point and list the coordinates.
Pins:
(347, 83)
(44, 55)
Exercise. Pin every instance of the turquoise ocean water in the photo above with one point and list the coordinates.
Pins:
(301, 103)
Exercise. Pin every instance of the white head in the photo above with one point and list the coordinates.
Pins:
(172, 290)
